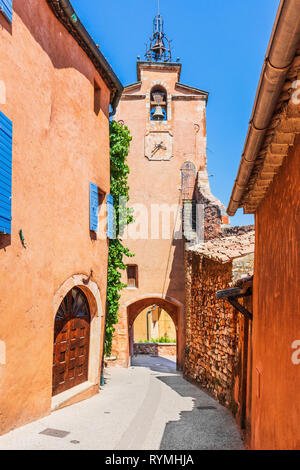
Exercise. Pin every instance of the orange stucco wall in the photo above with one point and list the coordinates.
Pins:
(160, 262)
(59, 146)
(276, 322)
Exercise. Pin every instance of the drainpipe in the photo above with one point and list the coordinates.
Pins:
(102, 381)
(113, 112)
(148, 335)
(279, 57)
(148, 329)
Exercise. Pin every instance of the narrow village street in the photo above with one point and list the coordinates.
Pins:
(150, 227)
(148, 406)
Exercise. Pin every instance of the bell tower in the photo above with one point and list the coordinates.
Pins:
(167, 121)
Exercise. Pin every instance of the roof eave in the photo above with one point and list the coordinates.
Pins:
(194, 89)
(281, 51)
(144, 63)
(66, 14)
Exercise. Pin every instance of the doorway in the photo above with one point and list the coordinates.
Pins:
(172, 307)
(71, 342)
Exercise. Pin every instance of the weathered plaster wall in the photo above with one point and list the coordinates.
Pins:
(160, 325)
(276, 323)
(59, 146)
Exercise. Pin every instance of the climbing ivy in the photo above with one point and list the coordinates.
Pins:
(119, 147)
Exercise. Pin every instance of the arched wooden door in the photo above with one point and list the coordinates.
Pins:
(71, 342)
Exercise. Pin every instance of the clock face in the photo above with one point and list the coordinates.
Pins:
(159, 145)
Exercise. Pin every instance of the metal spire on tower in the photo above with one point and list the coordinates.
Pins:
(159, 47)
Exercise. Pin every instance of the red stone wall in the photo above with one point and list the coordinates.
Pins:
(219, 338)
(212, 215)
(211, 328)
(59, 146)
(276, 322)
(154, 349)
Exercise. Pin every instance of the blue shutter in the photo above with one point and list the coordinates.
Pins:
(6, 129)
(110, 216)
(7, 9)
(94, 204)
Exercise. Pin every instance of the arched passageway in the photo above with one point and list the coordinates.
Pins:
(172, 307)
(154, 325)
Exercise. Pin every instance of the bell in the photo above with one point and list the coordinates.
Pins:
(158, 114)
(158, 46)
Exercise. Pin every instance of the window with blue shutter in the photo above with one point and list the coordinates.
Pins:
(94, 204)
(6, 131)
(110, 216)
(6, 8)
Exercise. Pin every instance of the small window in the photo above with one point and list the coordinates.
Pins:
(158, 108)
(188, 180)
(132, 276)
(97, 98)
(6, 140)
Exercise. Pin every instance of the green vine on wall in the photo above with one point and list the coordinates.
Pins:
(119, 147)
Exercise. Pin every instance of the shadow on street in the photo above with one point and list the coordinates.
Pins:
(209, 426)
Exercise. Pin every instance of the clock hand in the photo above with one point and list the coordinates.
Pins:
(162, 146)
(156, 148)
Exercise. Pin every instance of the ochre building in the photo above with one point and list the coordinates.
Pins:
(55, 93)
(268, 185)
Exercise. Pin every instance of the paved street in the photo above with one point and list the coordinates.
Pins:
(148, 406)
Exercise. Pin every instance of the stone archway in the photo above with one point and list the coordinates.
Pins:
(92, 293)
(171, 306)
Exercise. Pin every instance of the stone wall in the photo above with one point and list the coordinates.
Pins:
(211, 328)
(155, 349)
(237, 230)
(215, 219)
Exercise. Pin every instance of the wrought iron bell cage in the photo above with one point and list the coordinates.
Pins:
(159, 47)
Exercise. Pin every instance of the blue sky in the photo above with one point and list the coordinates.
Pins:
(221, 43)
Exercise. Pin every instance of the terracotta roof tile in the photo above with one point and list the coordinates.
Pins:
(225, 249)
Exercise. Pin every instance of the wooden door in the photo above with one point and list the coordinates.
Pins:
(71, 342)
